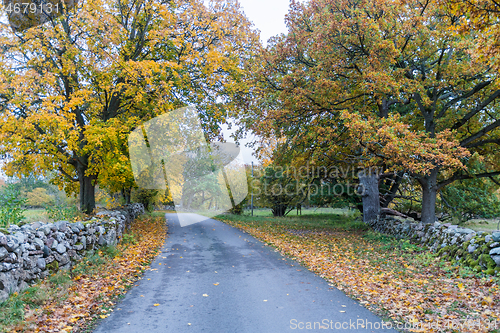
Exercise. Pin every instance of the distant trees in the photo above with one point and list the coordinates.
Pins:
(280, 190)
(39, 197)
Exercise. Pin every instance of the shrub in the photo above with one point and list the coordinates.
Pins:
(61, 212)
(39, 197)
(129, 239)
(11, 206)
(146, 197)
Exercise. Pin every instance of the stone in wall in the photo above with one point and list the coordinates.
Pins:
(33, 251)
(477, 249)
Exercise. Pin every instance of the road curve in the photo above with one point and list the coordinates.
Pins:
(211, 277)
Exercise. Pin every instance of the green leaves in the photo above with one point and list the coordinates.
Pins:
(11, 206)
(61, 212)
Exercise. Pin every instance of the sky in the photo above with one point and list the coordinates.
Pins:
(268, 16)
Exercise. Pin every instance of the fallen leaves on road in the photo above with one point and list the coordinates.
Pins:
(410, 289)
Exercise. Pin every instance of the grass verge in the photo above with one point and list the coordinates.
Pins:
(417, 290)
(75, 301)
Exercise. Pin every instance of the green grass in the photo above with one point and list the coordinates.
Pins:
(157, 213)
(55, 287)
(36, 214)
(482, 224)
(40, 214)
(309, 211)
(309, 220)
(13, 309)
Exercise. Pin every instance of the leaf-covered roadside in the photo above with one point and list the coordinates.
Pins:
(392, 278)
(94, 285)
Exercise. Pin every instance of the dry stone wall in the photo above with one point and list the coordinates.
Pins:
(33, 251)
(477, 249)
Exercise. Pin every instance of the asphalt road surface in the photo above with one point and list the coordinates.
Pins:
(211, 277)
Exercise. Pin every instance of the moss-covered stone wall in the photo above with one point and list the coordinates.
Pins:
(477, 249)
(33, 251)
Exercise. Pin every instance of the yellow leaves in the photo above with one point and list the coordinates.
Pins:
(88, 294)
(156, 304)
(409, 292)
(487, 300)
(102, 80)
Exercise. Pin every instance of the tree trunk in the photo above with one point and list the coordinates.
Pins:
(126, 195)
(389, 196)
(368, 189)
(87, 191)
(279, 210)
(429, 192)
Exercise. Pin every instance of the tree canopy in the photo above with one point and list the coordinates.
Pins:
(379, 83)
(73, 88)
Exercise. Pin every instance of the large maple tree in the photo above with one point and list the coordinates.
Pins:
(379, 83)
(72, 89)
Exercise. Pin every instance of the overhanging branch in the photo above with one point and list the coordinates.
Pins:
(457, 176)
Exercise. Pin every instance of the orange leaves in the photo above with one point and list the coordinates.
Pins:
(378, 58)
(389, 139)
(389, 281)
(92, 295)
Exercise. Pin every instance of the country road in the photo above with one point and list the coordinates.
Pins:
(211, 277)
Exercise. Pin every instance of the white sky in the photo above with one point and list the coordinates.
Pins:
(268, 16)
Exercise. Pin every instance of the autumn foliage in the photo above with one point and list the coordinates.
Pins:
(379, 83)
(96, 289)
(72, 90)
(390, 281)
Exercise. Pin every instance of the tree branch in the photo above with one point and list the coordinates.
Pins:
(457, 176)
